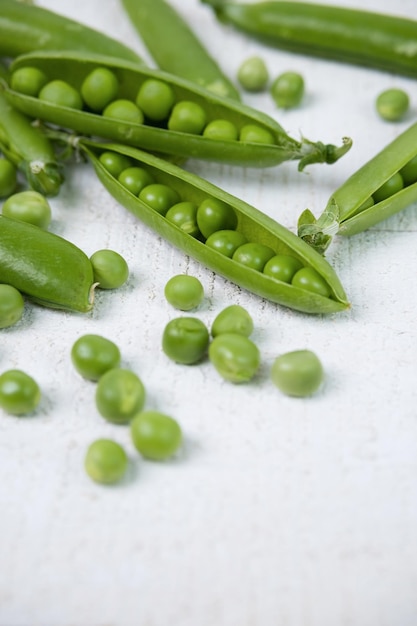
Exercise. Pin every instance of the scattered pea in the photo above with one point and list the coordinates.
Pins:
(110, 269)
(392, 104)
(233, 319)
(19, 392)
(94, 355)
(187, 117)
(155, 435)
(253, 74)
(235, 357)
(287, 90)
(120, 395)
(28, 206)
(62, 94)
(185, 340)
(99, 88)
(11, 305)
(106, 461)
(28, 80)
(8, 178)
(298, 373)
(156, 99)
(184, 292)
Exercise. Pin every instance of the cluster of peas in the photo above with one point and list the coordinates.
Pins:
(213, 222)
(156, 103)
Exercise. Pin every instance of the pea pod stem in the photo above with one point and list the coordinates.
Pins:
(366, 38)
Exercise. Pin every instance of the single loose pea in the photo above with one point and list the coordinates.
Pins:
(28, 206)
(213, 215)
(226, 242)
(253, 255)
(392, 186)
(184, 215)
(253, 74)
(156, 99)
(409, 172)
(309, 279)
(120, 395)
(94, 355)
(233, 319)
(235, 357)
(19, 392)
(282, 267)
(185, 340)
(11, 305)
(135, 179)
(159, 197)
(184, 292)
(287, 90)
(61, 93)
(99, 88)
(252, 133)
(8, 178)
(298, 373)
(392, 104)
(114, 162)
(28, 80)
(106, 461)
(155, 435)
(110, 269)
(222, 130)
(125, 111)
(187, 117)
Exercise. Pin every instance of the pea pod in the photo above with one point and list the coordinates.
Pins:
(354, 206)
(25, 28)
(386, 42)
(157, 138)
(251, 223)
(48, 269)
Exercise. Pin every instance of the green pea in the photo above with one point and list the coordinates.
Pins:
(252, 133)
(298, 373)
(11, 305)
(94, 355)
(28, 80)
(392, 186)
(114, 162)
(124, 110)
(135, 179)
(159, 197)
(409, 172)
(309, 279)
(120, 395)
(253, 255)
(282, 267)
(156, 99)
(184, 292)
(99, 88)
(233, 319)
(226, 242)
(287, 90)
(155, 435)
(392, 104)
(110, 269)
(235, 357)
(213, 215)
(8, 178)
(222, 130)
(62, 94)
(187, 117)
(19, 392)
(184, 215)
(253, 74)
(185, 340)
(28, 206)
(106, 461)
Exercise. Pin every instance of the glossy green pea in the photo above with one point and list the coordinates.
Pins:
(156, 99)
(29, 206)
(184, 292)
(298, 373)
(251, 133)
(409, 172)
(282, 267)
(61, 93)
(135, 179)
(28, 80)
(214, 215)
(124, 110)
(120, 395)
(94, 355)
(114, 162)
(308, 278)
(19, 393)
(11, 306)
(187, 117)
(106, 461)
(253, 255)
(8, 178)
(159, 197)
(394, 184)
(110, 269)
(253, 74)
(185, 340)
(99, 88)
(392, 104)
(226, 242)
(184, 215)
(233, 319)
(287, 90)
(222, 130)
(235, 357)
(155, 435)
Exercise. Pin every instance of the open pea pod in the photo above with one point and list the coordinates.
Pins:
(251, 223)
(274, 147)
(382, 187)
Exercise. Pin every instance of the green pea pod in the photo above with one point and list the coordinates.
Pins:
(351, 209)
(26, 28)
(48, 269)
(174, 46)
(386, 42)
(253, 224)
(76, 67)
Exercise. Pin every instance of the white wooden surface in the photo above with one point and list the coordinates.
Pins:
(279, 511)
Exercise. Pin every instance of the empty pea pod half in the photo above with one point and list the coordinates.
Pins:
(316, 291)
(193, 123)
